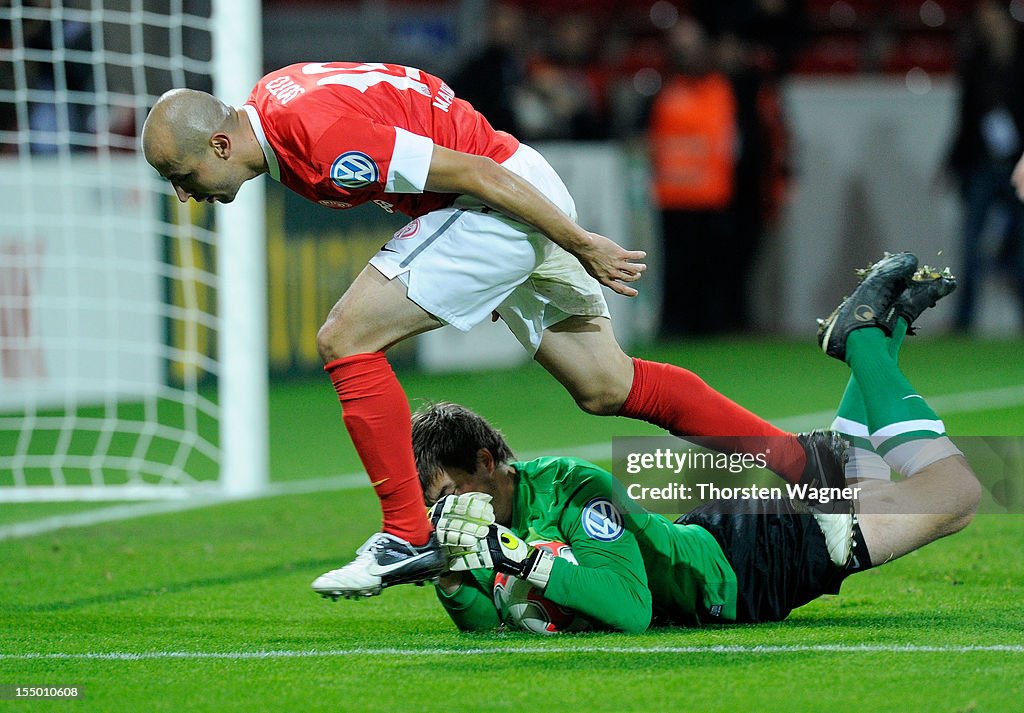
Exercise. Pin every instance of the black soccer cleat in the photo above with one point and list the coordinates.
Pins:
(384, 560)
(927, 286)
(826, 459)
(869, 304)
(826, 453)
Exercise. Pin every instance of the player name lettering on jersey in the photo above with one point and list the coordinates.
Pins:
(284, 89)
(444, 97)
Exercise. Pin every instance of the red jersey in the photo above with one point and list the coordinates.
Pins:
(344, 133)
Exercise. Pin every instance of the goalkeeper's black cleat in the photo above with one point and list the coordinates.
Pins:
(870, 303)
(927, 286)
(384, 560)
(825, 468)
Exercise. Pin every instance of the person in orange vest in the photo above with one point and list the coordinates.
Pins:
(692, 135)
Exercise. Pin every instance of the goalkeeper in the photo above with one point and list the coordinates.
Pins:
(713, 564)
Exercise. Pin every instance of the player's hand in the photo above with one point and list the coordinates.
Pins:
(499, 550)
(612, 265)
(1017, 179)
(462, 520)
(504, 552)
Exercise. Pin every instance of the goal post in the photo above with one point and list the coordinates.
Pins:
(133, 357)
(237, 39)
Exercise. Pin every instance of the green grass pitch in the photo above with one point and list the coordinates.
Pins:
(210, 609)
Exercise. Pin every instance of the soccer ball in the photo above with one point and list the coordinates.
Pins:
(522, 606)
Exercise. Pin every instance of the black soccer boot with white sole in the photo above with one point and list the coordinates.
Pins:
(869, 304)
(926, 287)
(384, 560)
(826, 459)
(826, 453)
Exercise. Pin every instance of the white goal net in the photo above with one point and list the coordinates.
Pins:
(132, 330)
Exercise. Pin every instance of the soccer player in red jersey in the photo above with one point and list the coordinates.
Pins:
(494, 230)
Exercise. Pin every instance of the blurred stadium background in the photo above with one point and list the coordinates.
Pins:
(847, 113)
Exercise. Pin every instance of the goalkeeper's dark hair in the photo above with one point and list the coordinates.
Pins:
(446, 435)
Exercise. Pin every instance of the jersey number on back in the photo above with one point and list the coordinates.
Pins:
(367, 75)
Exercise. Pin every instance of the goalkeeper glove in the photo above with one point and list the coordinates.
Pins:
(462, 520)
(502, 551)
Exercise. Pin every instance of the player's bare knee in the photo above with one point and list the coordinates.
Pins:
(965, 497)
(969, 498)
(331, 343)
(601, 399)
(595, 406)
(325, 343)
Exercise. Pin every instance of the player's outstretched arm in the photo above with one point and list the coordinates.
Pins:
(482, 178)
(606, 587)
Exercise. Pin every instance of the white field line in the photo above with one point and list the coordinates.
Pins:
(533, 650)
(966, 402)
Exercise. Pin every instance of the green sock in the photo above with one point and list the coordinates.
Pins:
(899, 333)
(895, 412)
(852, 412)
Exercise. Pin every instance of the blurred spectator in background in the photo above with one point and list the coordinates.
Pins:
(751, 44)
(761, 171)
(58, 79)
(8, 113)
(693, 137)
(564, 95)
(491, 79)
(987, 143)
(774, 31)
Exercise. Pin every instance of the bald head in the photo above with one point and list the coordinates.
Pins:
(181, 123)
(204, 147)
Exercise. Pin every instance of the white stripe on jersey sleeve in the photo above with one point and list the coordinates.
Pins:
(410, 163)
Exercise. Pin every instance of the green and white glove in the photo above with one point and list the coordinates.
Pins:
(461, 521)
(502, 551)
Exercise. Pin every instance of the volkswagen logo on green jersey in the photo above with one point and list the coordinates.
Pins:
(602, 520)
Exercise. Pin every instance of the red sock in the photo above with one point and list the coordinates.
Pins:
(680, 402)
(376, 414)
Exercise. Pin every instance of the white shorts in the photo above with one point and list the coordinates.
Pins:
(464, 262)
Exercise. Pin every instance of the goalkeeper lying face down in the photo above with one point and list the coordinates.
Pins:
(745, 561)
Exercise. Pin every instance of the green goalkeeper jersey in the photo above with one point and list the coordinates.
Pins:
(633, 564)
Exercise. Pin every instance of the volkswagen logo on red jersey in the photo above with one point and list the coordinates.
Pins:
(602, 520)
(408, 231)
(354, 169)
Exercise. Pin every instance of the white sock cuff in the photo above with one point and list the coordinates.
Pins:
(884, 433)
(913, 456)
(849, 428)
